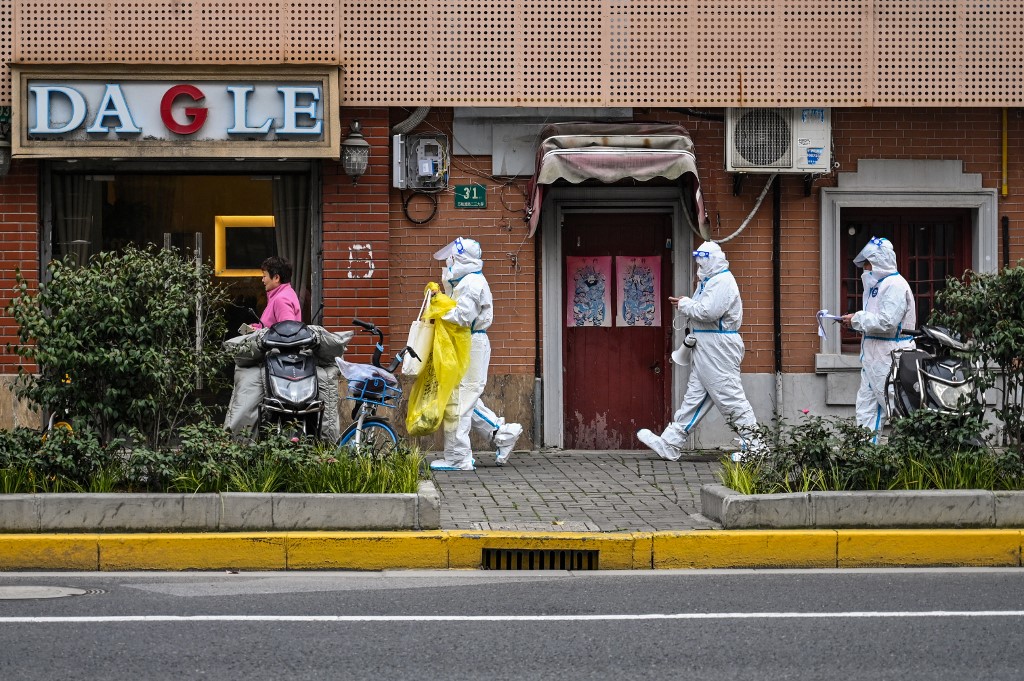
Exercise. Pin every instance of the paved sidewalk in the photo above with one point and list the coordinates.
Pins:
(578, 491)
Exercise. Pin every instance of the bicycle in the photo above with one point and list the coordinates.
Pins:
(371, 386)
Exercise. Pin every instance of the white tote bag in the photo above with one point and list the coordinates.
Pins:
(421, 340)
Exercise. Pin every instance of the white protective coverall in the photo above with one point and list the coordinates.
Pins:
(465, 283)
(889, 308)
(715, 312)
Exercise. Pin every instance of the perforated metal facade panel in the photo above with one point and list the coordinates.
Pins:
(168, 32)
(6, 46)
(955, 52)
(563, 52)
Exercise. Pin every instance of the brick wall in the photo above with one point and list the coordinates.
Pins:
(19, 230)
(502, 232)
(357, 257)
(371, 213)
(971, 135)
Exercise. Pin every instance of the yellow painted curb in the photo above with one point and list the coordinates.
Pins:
(745, 549)
(979, 548)
(49, 552)
(443, 549)
(619, 550)
(367, 550)
(193, 551)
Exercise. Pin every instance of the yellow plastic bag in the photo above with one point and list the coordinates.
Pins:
(449, 359)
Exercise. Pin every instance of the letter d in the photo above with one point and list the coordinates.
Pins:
(42, 109)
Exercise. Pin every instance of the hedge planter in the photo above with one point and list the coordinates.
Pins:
(873, 509)
(224, 512)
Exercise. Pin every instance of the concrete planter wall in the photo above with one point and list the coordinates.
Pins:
(227, 512)
(830, 510)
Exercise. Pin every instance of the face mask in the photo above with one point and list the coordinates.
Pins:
(703, 262)
(869, 280)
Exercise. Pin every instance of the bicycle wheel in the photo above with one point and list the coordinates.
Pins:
(378, 438)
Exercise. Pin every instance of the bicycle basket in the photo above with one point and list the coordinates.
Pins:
(374, 391)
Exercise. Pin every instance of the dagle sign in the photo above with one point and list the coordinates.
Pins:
(215, 112)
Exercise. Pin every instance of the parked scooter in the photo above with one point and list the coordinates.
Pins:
(932, 376)
(291, 398)
(286, 381)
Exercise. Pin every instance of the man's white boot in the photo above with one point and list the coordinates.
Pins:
(662, 448)
(505, 438)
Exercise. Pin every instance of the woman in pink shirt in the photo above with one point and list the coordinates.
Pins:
(282, 303)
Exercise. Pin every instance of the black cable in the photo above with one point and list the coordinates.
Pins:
(706, 115)
(405, 206)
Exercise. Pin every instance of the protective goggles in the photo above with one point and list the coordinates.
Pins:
(877, 241)
(702, 254)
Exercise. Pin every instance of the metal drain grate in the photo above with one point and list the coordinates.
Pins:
(539, 559)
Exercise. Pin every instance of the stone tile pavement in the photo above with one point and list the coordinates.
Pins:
(578, 491)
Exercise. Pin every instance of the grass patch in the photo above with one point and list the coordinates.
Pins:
(924, 451)
(206, 459)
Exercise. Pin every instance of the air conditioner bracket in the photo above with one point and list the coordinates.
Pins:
(737, 183)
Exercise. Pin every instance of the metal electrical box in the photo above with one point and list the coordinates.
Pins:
(420, 162)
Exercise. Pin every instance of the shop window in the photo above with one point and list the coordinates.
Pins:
(930, 244)
(241, 220)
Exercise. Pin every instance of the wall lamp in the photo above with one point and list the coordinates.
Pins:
(355, 153)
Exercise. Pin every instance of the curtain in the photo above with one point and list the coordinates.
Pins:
(291, 220)
(74, 203)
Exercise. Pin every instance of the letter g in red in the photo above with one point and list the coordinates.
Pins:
(196, 115)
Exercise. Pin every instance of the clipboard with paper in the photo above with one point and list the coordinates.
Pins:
(821, 316)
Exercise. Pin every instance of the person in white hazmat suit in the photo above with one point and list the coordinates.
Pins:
(889, 308)
(715, 313)
(464, 282)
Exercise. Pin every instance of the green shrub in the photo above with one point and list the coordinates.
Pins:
(988, 309)
(207, 459)
(925, 450)
(817, 453)
(59, 461)
(115, 341)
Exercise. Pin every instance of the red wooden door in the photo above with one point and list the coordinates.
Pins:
(930, 244)
(616, 377)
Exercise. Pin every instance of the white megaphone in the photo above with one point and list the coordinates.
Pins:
(681, 356)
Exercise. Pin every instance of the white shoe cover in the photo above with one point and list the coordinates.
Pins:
(442, 465)
(660, 447)
(506, 438)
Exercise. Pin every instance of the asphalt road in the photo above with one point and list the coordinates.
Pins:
(794, 624)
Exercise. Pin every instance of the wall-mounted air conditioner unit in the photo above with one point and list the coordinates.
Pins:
(778, 140)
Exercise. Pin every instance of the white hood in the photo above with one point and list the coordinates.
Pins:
(713, 264)
(882, 256)
(463, 256)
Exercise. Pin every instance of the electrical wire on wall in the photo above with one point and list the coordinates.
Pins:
(505, 183)
(753, 211)
(407, 199)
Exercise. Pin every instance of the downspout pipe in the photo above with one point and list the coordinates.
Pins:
(1005, 180)
(777, 293)
(1006, 241)
(538, 370)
